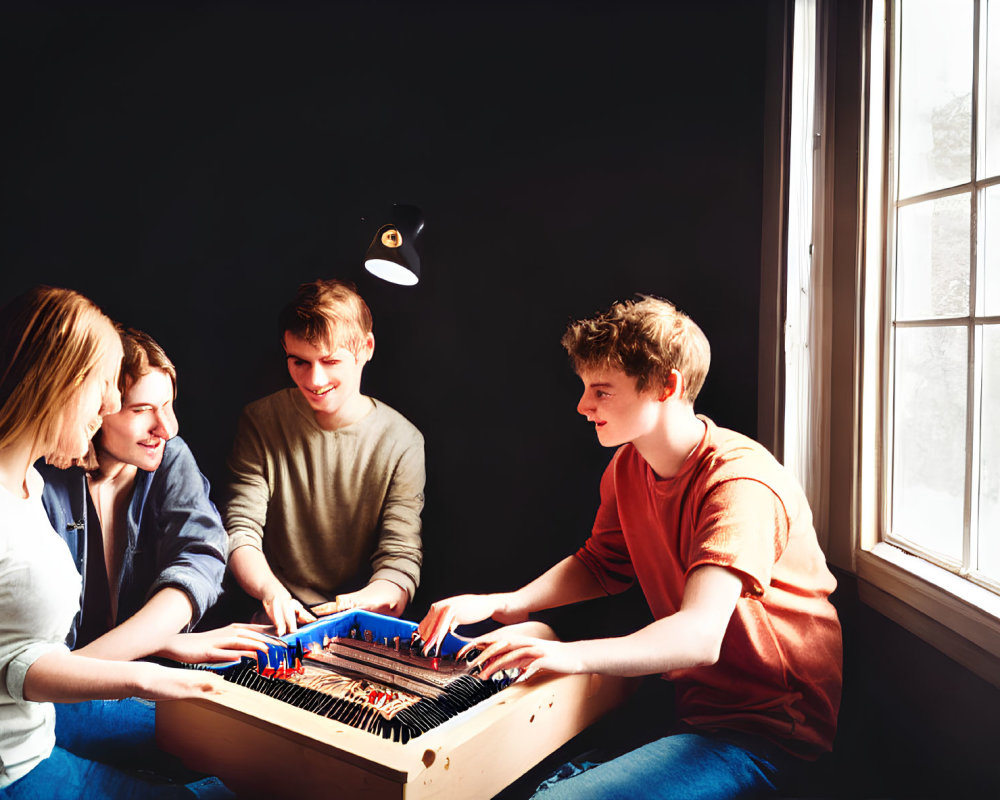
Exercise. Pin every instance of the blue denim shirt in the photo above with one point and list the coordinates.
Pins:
(175, 534)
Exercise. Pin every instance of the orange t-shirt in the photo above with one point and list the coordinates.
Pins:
(731, 505)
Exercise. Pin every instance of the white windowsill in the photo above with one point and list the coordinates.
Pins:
(956, 616)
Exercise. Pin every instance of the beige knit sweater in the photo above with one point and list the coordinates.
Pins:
(331, 510)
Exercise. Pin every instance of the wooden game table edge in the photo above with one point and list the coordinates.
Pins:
(262, 747)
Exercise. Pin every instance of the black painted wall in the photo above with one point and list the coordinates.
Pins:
(188, 165)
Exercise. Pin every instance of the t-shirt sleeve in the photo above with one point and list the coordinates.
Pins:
(605, 553)
(742, 525)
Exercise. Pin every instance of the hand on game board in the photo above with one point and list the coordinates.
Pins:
(504, 649)
(285, 612)
(464, 609)
(380, 596)
(221, 644)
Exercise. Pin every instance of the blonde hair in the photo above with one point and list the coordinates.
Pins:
(50, 341)
(327, 312)
(647, 339)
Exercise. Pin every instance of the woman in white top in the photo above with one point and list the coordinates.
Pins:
(59, 362)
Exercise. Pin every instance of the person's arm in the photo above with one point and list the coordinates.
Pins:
(63, 677)
(254, 575)
(379, 596)
(184, 560)
(244, 514)
(569, 581)
(398, 553)
(146, 631)
(582, 576)
(229, 643)
(692, 637)
(182, 527)
(155, 630)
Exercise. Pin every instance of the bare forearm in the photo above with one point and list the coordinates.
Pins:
(64, 677)
(692, 637)
(251, 570)
(146, 631)
(675, 642)
(567, 582)
(70, 678)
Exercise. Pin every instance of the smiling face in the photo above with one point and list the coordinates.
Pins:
(136, 434)
(620, 413)
(329, 379)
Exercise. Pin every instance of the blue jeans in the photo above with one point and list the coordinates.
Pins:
(683, 766)
(106, 749)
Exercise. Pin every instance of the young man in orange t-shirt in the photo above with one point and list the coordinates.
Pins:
(720, 539)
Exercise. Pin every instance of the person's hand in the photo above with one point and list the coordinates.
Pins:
(285, 612)
(221, 644)
(155, 682)
(504, 649)
(464, 609)
(379, 596)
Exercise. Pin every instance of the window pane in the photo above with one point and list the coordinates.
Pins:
(928, 468)
(935, 95)
(989, 256)
(989, 456)
(932, 261)
(990, 72)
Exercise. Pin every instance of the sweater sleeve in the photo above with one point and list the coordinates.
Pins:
(245, 508)
(398, 554)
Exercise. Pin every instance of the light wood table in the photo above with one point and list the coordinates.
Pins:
(262, 747)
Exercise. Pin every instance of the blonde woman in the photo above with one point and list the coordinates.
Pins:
(59, 363)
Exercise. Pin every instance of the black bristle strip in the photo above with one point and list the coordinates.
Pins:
(336, 711)
(462, 693)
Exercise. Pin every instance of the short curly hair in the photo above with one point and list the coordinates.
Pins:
(647, 339)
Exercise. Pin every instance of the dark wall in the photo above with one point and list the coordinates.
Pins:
(187, 166)
(913, 723)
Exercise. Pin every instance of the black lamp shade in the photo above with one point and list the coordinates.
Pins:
(392, 255)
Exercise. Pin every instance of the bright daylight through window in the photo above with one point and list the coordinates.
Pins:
(942, 432)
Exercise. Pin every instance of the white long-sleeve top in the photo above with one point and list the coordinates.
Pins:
(39, 596)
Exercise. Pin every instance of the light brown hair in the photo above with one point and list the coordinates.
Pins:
(142, 354)
(647, 339)
(327, 312)
(50, 341)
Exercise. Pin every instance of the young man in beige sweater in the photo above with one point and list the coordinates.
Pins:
(326, 490)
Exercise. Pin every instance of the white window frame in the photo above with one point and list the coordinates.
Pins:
(954, 614)
(849, 255)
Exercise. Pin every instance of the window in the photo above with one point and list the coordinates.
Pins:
(889, 304)
(942, 437)
(927, 408)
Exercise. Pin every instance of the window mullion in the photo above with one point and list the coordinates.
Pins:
(970, 537)
(973, 459)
